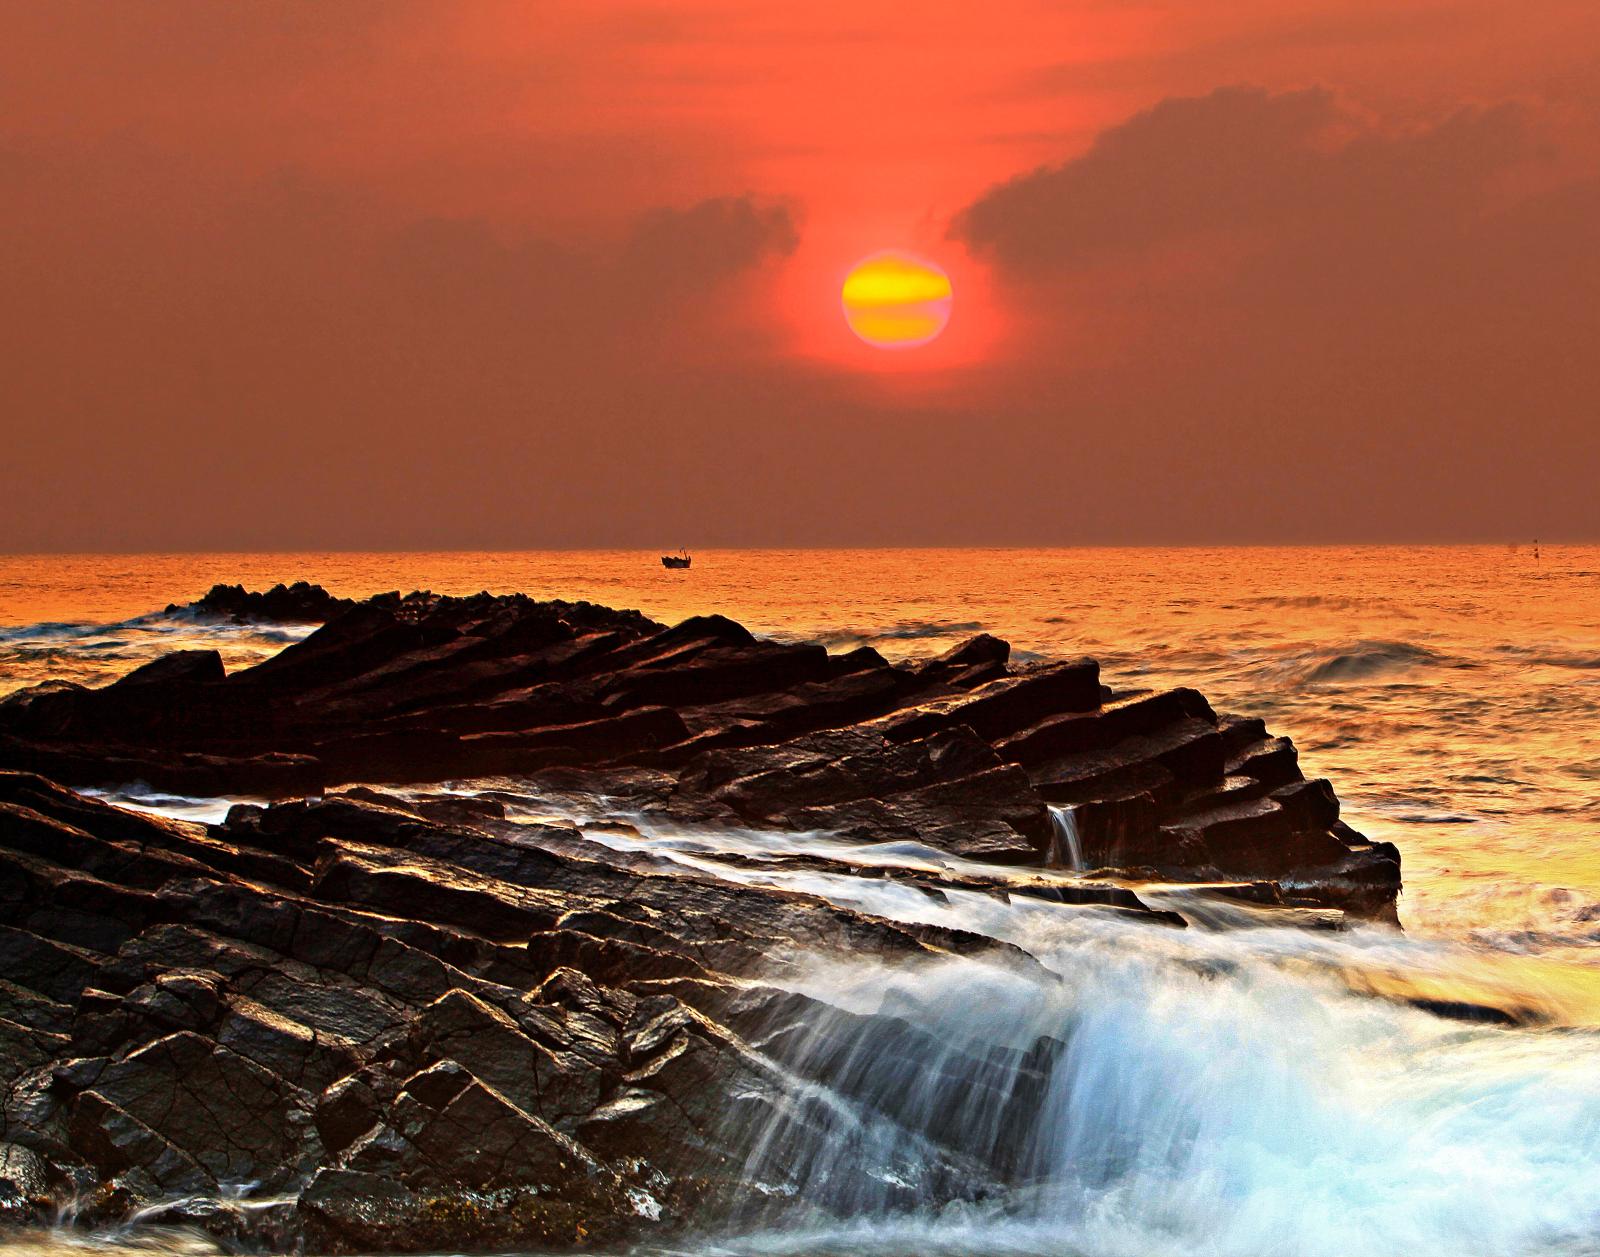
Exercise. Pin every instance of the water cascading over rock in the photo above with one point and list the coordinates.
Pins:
(809, 959)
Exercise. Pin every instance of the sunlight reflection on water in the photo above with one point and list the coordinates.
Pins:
(1452, 694)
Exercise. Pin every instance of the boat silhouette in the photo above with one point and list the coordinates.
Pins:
(681, 559)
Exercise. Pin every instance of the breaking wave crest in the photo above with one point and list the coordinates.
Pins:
(896, 636)
(93, 654)
(1148, 1096)
(1358, 661)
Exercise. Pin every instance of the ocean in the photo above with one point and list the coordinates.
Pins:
(1452, 696)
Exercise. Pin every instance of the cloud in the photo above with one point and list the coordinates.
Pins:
(1300, 224)
(1297, 223)
(1245, 162)
(1291, 317)
(283, 360)
(677, 281)
(710, 241)
(679, 252)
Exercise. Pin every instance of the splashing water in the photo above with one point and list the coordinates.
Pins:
(1136, 1107)
(1145, 1091)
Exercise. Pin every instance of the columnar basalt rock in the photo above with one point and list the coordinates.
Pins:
(413, 1024)
(417, 1035)
(705, 722)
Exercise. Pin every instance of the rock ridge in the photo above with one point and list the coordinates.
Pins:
(362, 1017)
(705, 722)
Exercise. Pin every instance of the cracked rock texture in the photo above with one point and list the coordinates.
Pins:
(707, 723)
(407, 1024)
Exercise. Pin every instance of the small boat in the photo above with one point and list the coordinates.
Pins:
(680, 559)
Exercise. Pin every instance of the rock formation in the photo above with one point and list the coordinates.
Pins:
(409, 1024)
(299, 603)
(434, 1037)
(706, 722)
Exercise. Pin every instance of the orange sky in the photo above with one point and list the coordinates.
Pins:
(424, 275)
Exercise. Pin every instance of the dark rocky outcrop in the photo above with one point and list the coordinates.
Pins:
(705, 722)
(299, 603)
(412, 1024)
(415, 1035)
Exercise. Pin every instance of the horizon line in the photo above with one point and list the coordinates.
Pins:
(1542, 542)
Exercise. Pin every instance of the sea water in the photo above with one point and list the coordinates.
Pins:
(1233, 1088)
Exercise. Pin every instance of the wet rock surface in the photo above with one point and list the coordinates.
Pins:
(395, 1023)
(409, 1034)
(706, 723)
(299, 603)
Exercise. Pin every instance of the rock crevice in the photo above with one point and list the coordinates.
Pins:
(706, 723)
(411, 1024)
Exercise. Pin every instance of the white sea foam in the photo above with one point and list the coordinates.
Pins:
(1199, 1095)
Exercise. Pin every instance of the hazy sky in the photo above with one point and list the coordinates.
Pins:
(564, 273)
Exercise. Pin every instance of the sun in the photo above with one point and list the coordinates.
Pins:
(895, 300)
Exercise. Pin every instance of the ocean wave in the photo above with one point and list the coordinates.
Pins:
(1557, 917)
(1324, 602)
(93, 653)
(170, 623)
(142, 798)
(1425, 817)
(1357, 661)
(99, 650)
(904, 631)
(51, 630)
(912, 629)
(1542, 656)
(1417, 809)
